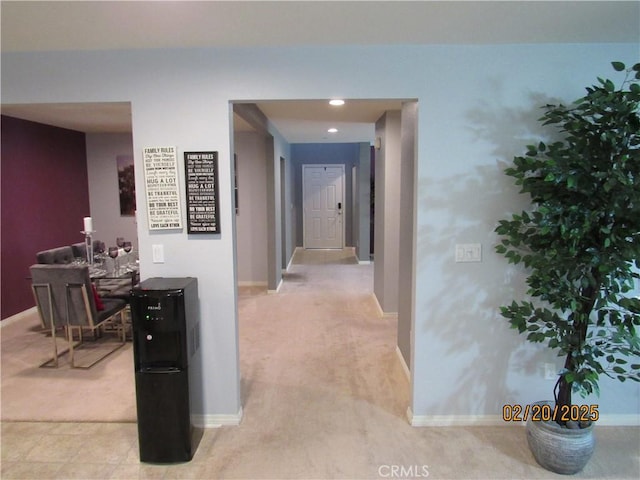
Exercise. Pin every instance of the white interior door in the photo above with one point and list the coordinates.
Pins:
(323, 203)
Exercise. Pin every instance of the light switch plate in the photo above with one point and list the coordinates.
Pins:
(158, 253)
(469, 252)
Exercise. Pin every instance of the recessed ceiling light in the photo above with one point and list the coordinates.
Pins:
(336, 102)
(332, 130)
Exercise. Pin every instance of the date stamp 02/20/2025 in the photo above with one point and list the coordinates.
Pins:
(546, 413)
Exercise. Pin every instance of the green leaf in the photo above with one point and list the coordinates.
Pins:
(618, 66)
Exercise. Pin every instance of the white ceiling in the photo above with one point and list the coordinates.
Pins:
(307, 121)
(304, 121)
(100, 25)
(84, 117)
(79, 25)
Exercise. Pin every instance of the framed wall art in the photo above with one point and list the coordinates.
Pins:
(163, 194)
(126, 185)
(201, 177)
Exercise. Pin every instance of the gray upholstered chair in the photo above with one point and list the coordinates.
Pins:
(50, 309)
(98, 246)
(79, 250)
(65, 298)
(59, 255)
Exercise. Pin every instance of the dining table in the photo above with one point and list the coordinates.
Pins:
(114, 279)
(116, 283)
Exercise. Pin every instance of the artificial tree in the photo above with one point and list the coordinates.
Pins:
(580, 240)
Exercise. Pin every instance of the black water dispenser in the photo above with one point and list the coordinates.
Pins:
(165, 340)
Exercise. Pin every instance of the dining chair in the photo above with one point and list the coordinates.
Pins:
(68, 296)
(79, 250)
(51, 317)
(58, 255)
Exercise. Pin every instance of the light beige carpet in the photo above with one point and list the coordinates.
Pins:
(105, 392)
(323, 302)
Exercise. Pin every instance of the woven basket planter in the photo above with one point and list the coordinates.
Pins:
(559, 449)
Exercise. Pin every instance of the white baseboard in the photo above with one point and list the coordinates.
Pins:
(381, 312)
(378, 307)
(216, 421)
(249, 283)
(18, 317)
(363, 262)
(457, 420)
(277, 288)
(293, 254)
(623, 420)
(405, 367)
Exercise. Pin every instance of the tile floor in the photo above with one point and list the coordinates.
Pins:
(49, 450)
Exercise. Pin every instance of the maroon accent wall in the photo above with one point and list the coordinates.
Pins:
(44, 195)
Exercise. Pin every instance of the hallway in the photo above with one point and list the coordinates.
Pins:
(320, 375)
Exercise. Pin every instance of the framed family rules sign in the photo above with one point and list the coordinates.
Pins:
(163, 193)
(201, 176)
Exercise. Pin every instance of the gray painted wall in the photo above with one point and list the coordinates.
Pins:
(104, 197)
(251, 220)
(277, 148)
(406, 293)
(274, 234)
(362, 208)
(278, 235)
(387, 212)
(289, 207)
